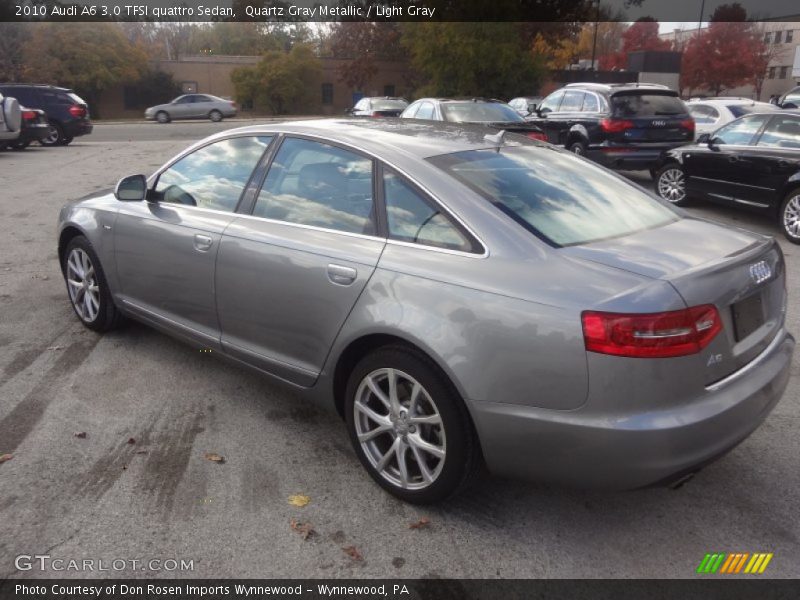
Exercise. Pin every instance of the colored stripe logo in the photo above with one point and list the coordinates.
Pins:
(735, 562)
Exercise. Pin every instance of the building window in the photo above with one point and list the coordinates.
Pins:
(327, 93)
(784, 73)
(768, 37)
(771, 73)
(789, 36)
(778, 37)
(388, 90)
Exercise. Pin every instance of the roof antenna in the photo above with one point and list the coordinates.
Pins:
(497, 139)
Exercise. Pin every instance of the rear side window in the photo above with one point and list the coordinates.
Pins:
(646, 105)
(740, 132)
(412, 218)
(560, 199)
(389, 104)
(782, 132)
(590, 103)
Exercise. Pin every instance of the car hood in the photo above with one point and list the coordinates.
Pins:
(662, 252)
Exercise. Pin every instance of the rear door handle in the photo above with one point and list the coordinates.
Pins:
(202, 242)
(341, 275)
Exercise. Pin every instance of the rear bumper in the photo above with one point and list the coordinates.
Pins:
(585, 449)
(630, 157)
(77, 128)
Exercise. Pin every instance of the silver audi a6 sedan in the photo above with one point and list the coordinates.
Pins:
(457, 297)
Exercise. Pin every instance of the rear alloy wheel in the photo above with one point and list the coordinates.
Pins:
(789, 216)
(215, 116)
(577, 147)
(162, 117)
(409, 429)
(671, 184)
(87, 287)
(55, 135)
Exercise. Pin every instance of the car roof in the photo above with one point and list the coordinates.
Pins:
(613, 88)
(475, 99)
(421, 139)
(728, 101)
(37, 85)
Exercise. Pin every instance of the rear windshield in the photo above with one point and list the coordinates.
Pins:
(389, 104)
(559, 198)
(646, 105)
(737, 110)
(75, 98)
(479, 112)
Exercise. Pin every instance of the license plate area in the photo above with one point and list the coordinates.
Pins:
(748, 315)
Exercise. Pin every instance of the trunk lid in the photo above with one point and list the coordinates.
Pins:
(741, 273)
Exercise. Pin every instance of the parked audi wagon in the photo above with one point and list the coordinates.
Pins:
(457, 296)
(751, 163)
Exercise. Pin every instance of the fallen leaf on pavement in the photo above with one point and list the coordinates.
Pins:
(141, 452)
(421, 524)
(5, 457)
(299, 500)
(352, 552)
(80, 434)
(55, 347)
(214, 457)
(306, 530)
(131, 441)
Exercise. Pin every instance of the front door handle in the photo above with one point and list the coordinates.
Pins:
(202, 242)
(341, 275)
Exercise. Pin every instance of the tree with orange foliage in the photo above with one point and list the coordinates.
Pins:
(642, 35)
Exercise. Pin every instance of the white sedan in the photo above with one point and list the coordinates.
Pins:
(712, 113)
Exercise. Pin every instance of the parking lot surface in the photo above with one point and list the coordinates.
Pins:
(139, 487)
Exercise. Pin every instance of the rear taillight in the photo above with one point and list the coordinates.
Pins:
(233, 104)
(616, 125)
(29, 115)
(77, 111)
(653, 335)
(688, 124)
(537, 135)
(376, 114)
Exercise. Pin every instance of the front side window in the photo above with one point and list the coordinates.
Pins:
(556, 197)
(412, 218)
(704, 114)
(782, 132)
(550, 104)
(213, 176)
(411, 111)
(739, 132)
(425, 111)
(311, 183)
(572, 102)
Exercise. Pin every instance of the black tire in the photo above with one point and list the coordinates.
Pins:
(789, 216)
(462, 458)
(670, 184)
(577, 147)
(56, 136)
(215, 116)
(20, 145)
(162, 116)
(107, 316)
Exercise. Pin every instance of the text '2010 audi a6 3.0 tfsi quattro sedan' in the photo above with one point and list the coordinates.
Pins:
(458, 297)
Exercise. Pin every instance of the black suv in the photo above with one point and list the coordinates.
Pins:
(67, 113)
(621, 126)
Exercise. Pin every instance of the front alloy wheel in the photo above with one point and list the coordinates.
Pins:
(87, 287)
(671, 184)
(409, 427)
(790, 217)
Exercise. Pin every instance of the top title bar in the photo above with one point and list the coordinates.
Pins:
(387, 10)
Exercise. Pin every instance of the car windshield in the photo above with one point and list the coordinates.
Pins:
(479, 112)
(389, 104)
(557, 197)
(646, 105)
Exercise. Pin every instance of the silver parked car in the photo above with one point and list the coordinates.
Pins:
(192, 106)
(457, 296)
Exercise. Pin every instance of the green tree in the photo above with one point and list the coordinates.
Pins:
(13, 37)
(281, 82)
(89, 57)
(472, 59)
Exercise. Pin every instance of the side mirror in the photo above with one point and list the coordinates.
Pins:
(131, 189)
(704, 138)
(532, 107)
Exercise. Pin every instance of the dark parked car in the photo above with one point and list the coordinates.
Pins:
(480, 111)
(67, 113)
(621, 126)
(385, 106)
(752, 162)
(457, 297)
(33, 128)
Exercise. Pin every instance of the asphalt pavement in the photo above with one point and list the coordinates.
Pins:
(138, 485)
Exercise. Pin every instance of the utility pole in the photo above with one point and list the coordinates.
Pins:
(594, 41)
(702, 10)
